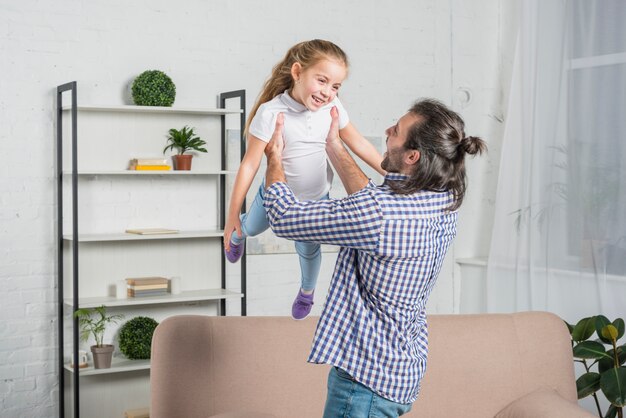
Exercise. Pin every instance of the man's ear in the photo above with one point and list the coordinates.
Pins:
(411, 157)
(296, 70)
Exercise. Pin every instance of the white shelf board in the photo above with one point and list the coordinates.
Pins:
(472, 261)
(123, 236)
(186, 296)
(118, 365)
(149, 173)
(154, 109)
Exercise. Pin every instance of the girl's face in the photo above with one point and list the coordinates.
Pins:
(317, 85)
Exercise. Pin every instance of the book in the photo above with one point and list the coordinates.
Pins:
(148, 286)
(149, 164)
(152, 167)
(139, 293)
(152, 231)
(133, 281)
(148, 291)
(149, 161)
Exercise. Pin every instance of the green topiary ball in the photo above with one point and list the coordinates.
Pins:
(153, 88)
(136, 337)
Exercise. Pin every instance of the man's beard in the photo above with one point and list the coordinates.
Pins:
(392, 163)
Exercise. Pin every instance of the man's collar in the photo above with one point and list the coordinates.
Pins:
(292, 103)
(395, 176)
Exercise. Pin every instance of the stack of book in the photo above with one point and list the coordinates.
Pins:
(146, 286)
(149, 164)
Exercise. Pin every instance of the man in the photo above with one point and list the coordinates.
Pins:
(393, 240)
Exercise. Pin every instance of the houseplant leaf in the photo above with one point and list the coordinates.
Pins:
(584, 329)
(613, 385)
(600, 322)
(619, 324)
(587, 384)
(184, 139)
(590, 350)
(609, 332)
(605, 363)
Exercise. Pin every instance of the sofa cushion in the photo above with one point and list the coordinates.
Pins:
(543, 403)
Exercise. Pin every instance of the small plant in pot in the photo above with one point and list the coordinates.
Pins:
(184, 140)
(95, 325)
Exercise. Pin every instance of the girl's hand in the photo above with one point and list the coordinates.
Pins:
(232, 224)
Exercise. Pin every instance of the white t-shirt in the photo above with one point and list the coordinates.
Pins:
(307, 170)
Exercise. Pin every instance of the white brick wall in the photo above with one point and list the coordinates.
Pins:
(400, 51)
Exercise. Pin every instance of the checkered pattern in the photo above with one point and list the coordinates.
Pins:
(374, 322)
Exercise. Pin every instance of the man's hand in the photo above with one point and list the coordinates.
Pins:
(274, 154)
(351, 176)
(332, 139)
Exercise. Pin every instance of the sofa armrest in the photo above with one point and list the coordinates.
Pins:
(243, 414)
(543, 403)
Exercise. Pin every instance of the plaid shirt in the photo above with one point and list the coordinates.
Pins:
(373, 324)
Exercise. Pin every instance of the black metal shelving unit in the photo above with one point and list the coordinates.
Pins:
(71, 88)
(241, 95)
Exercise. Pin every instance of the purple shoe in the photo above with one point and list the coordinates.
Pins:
(301, 306)
(234, 254)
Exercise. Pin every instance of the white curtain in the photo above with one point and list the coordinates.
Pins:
(559, 237)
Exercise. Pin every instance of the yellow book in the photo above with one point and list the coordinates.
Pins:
(152, 167)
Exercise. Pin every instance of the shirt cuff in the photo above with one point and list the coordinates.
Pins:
(277, 199)
(275, 190)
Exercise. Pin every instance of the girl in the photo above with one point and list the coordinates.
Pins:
(303, 86)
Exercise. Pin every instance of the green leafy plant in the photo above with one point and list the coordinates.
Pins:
(184, 140)
(153, 88)
(610, 378)
(95, 325)
(136, 337)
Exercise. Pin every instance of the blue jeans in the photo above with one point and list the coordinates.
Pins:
(255, 221)
(348, 398)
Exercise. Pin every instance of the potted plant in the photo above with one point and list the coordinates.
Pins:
(136, 337)
(90, 325)
(153, 88)
(185, 140)
(610, 378)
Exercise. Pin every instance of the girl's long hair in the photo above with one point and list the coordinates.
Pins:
(440, 138)
(307, 53)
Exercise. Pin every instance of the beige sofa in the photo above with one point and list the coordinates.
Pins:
(504, 365)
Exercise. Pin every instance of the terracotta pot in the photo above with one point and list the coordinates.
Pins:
(182, 162)
(102, 356)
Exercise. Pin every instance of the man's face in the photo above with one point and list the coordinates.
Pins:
(394, 158)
